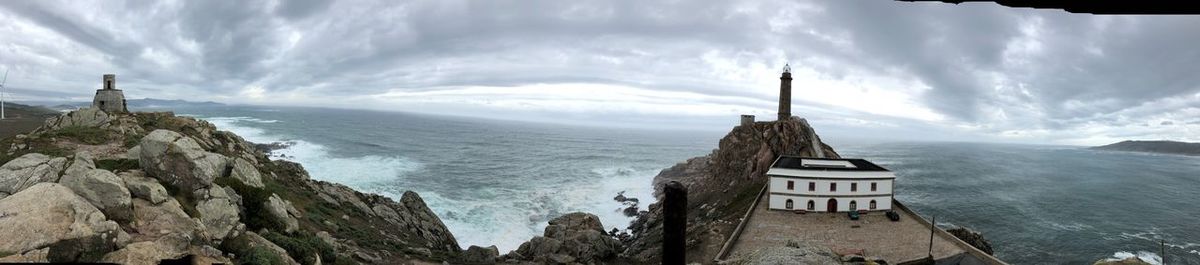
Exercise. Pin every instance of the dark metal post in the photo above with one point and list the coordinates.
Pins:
(674, 223)
(932, 227)
(1162, 250)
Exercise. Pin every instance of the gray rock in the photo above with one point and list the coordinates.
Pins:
(104, 190)
(82, 163)
(283, 211)
(45, 214)
(579, 236)
(143, 187)
(245, 172)
(87, 117)
(134, 153)
(28, 170)
(179, 161)
(166, 223)
(218, 213)
(975, 239)
(803, 255)
(146, 252)
(480, 255)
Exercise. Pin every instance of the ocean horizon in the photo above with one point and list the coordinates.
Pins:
(498, 182)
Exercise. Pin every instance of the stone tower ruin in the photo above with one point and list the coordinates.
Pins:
(785, 93)
(109, 98)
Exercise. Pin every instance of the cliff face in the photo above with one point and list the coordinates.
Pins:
(721, 186)
(138, 188)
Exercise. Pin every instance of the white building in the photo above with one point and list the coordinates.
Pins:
(829, 185)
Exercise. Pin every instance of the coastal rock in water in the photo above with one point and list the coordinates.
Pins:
(104, 190)
(218, 212)
(28, 170)
(480, 255)
(283, 210)
(143, 187)
(246, 173)
(973, 238)
(577, 237)
(46, 214)
(179, 161)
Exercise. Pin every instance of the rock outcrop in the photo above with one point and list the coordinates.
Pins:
(28, 170)
(571, 238)
(781, 255)
(975, 239)
(721, 185)
(193, 194)
(47, 214)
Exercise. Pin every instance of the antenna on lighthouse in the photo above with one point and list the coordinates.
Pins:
(5, 80)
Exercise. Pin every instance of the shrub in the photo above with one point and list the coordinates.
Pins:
(87, 135)
(116, 165)
(259, 255)
(302, 246)
(254, 201)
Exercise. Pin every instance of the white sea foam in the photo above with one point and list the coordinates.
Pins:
(1148, 257)
(357, 172)
(474, 220)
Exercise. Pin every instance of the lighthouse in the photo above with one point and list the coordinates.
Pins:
(785, 93)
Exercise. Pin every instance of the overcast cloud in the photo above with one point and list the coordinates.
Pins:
(862, 68)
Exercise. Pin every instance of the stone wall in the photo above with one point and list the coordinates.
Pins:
(109, 100)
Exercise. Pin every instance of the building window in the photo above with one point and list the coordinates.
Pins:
(788, 204)
(853, 206)
(791, 185)
(811, 205)
(812, 186)
(873, 186)
(872, 204)
(832, 186)
(853, 186)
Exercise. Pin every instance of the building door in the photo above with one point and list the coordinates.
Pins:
(832, 206)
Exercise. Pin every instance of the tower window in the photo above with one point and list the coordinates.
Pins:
(832, 186)
(791, 185)
(812, 186)
(853, 186)
(873, 186)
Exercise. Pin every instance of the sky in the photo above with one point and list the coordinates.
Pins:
(871, 68)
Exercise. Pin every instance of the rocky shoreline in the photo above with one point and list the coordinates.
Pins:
(138, 188)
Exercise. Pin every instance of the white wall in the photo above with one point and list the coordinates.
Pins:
(779, 185)
(779, 202)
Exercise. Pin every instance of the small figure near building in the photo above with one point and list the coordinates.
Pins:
(109, 98)
(829, 185)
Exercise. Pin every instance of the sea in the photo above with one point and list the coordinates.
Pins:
(497, 182)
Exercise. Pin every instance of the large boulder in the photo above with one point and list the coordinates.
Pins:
(783, 255)
(104, 190)
(28, 170)
(165, 223)
(86, 117)
(81, 164)
(49, 213)
(142, 253)
(217, 211)
(282, 210)
(480, 255)
(246, 173)
(574, 237)
(179, 161)
(143, 187)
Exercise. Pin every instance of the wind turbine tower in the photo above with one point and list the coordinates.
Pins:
(2, 94)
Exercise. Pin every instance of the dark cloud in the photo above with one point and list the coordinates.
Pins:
(980, 66)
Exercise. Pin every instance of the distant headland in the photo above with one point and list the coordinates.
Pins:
(1161, 147)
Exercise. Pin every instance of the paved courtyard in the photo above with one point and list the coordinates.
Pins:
(873, 233)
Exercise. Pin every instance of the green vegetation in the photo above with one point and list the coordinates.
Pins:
(185, 200)
(87, 135)
(117, 165)
(259, 255)
(254, 200)
(302, 246)
(132, 140)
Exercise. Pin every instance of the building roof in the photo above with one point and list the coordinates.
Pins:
(825, 164)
